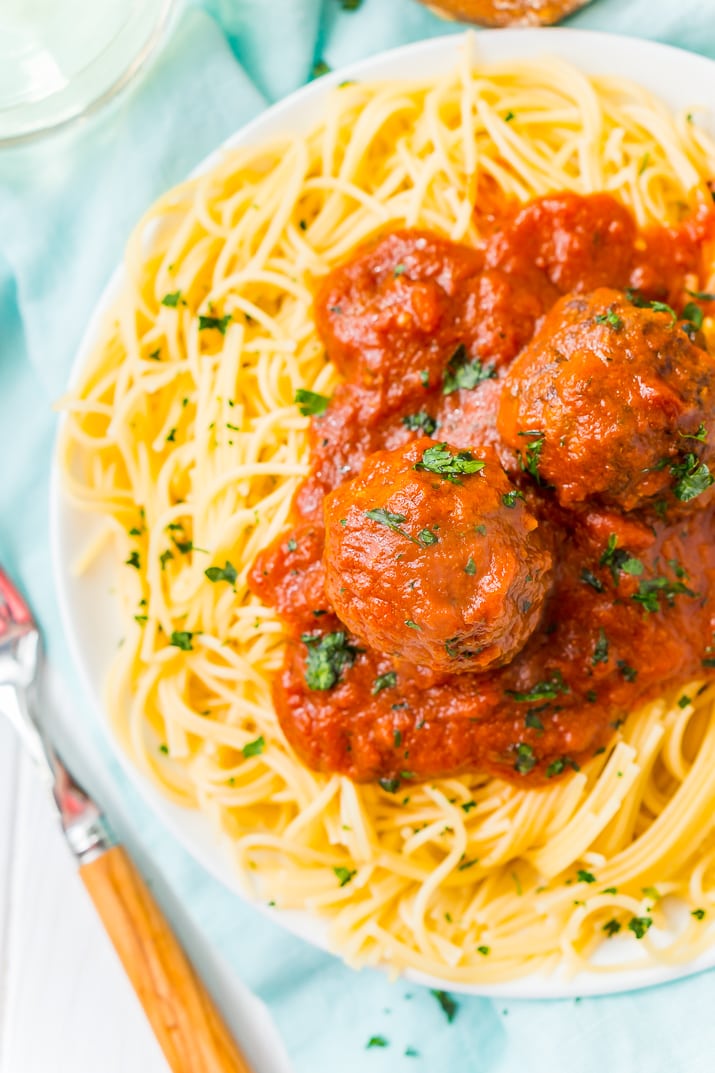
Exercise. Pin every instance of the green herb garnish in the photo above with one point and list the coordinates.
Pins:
(171, 300)
(310, 402)
(384, 681)
(420, 422)
(344, 874)
(220, 324)
(448, 1004)
(254, 748)
(464, 372)
(182, 639)
(547, 690)
(222, 573)
(328, 655)
(448, 465)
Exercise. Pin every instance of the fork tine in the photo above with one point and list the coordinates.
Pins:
(14, 603)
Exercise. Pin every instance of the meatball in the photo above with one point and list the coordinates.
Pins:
(611, 402)
(432, 556)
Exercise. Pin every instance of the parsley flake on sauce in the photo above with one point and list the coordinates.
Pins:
(547, 690)
(529, 462)
(611, 927)
(651, 590)
(701, 434)
(610, 318)
(420, 422)
(310, 403)
(134, 560)
(600, 652)
(525, 759)
(619, 561)
(465, 372)
(692, 478)
(171, 300)
(585, 877)
(509, 498)
(440, 460)
(328, 656)
(222, 573)
(384, 681)
(471, 567)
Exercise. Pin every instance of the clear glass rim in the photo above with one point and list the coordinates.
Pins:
(133, 67)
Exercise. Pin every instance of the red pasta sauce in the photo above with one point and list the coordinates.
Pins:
(505, 540)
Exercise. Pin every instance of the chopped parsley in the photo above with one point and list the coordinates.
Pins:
(509, 498)
(171, 300)
(533, 722)
(471, 567)
(612, 927)
(619, 561)
(692, 478)
(134, 560)
(399, 270)
(529, 462)
(390, 786)
(440, 460)
(700, 434)
(427, 538)
(254, 748)
(610, 318)
(412, 624)
(420, 422)
(292, 544)
(702, 296)
(639, 926)
(222, 573)
(384, 681)
(600, 652)
(589, 578)
(525, 759)
(556, 767)
(310, 402)
(699, 914)
(629, 673)
(684, 701)
(182, 639)
(547, 690)
(449, 1005)
(694, 315)
(637, 299)
(651, 590)
(220, 324)
(328, 656)
(391, 520)
(320, 68)
(376, 1041)
(484, 950)
(344, 874)
(465, 372)
(583, 876)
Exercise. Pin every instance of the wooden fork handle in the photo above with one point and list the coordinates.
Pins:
(189, 1028)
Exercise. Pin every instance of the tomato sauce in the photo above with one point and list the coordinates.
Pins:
(568, 348)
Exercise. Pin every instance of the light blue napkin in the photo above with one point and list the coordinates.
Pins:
(66, 207)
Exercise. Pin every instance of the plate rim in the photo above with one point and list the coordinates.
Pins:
(526, 42)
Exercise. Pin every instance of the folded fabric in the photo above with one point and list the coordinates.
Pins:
(67, 205)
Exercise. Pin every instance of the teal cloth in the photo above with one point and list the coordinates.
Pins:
(66, 207)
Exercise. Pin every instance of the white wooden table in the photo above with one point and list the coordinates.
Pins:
(65, 1005)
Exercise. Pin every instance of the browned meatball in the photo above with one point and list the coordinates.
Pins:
(431, 556)
(612, 402)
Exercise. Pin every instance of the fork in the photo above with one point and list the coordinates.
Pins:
(185, 1021)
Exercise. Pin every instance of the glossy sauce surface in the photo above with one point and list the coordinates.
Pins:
(528, 354)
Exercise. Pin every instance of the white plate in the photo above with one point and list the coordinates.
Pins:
(683, 80)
